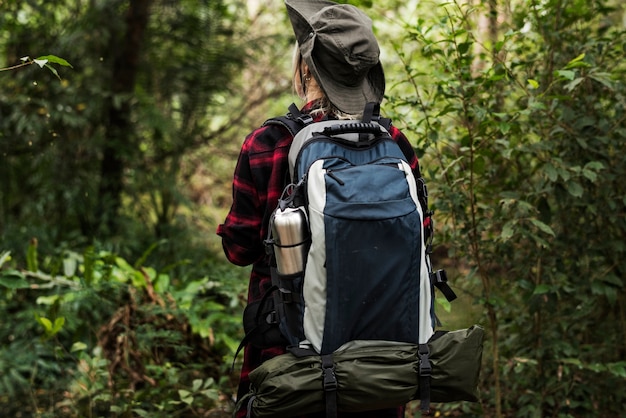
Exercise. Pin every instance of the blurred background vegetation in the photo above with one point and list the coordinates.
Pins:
(115, 298)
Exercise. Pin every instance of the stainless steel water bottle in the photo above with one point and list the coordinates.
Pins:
(290, 231)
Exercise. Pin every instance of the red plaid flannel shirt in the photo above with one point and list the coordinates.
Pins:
(259, 179)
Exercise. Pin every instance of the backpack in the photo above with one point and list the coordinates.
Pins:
(352, 281)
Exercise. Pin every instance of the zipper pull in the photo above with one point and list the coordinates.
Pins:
(334, 177)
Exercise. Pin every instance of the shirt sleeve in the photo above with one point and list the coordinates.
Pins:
(257, 184)
(240, 231)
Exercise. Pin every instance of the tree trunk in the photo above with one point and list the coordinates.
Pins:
(119, 143)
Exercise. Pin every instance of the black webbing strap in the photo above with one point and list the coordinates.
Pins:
(303, 118)
(439, 279)
(425, 370)
(294, 121)
(260, 325)
(371, 113)
(330, 385)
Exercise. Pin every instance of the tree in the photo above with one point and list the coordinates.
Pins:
(120, 140)
(77, 152)
(523, 154)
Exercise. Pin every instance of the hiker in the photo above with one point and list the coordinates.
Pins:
(336, 71)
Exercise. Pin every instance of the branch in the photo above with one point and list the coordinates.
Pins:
(15, 67)
(43, 61)
(52, 280)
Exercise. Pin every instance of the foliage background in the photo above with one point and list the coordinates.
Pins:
(115, 298)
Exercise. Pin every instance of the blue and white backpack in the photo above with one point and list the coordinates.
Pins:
(350, 239)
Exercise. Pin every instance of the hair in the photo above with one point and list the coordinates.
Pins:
(301, 85)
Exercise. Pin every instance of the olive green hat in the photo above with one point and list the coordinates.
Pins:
(337, 43)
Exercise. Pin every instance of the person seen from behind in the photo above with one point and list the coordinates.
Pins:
(336, 71)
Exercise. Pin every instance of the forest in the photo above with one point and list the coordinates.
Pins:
(120, 126)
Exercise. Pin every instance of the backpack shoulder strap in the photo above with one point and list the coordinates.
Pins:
(294, 120)
(371, 113)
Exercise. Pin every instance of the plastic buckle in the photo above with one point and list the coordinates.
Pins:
(305, 119)
(272, 318)
(424, 187)
(439, 276)
(330, 380)
(328, 373)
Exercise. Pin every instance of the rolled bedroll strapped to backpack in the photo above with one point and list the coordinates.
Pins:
(368, 375)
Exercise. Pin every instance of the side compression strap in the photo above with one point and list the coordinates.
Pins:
(425, 370)
(330, 385)
(260, 325)
(439, 279)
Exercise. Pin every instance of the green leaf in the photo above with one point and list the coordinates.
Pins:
(70, 264)
(573, 361)
(604, 79)
(618, 369)
(534, 84)
(211, 394)
(507, 231)
(565, 175)
(613, 279)
(4, 257)
(597, 367)
(129, 272)
(541, 289)
(47, 300)
(464, 47)
(78, 346)
(88, 265)
(594, 165)
(536, 105)
(53, 71)
(479, 165)
(185, 396)
(611, 294)
(577, 62)
(58, 324)
(575, 189)
(566, 74)
(590, 175)
(572, 85)
(444, 303)
(543, 227)
(45, 323)
(13, 279)
(551, 172)
(54, 59)
(31, 256)
(197, 384)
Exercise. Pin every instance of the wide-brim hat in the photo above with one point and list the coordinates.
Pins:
(337, 43)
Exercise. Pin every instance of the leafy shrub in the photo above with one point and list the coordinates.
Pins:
(523, 135)
(91, 335)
